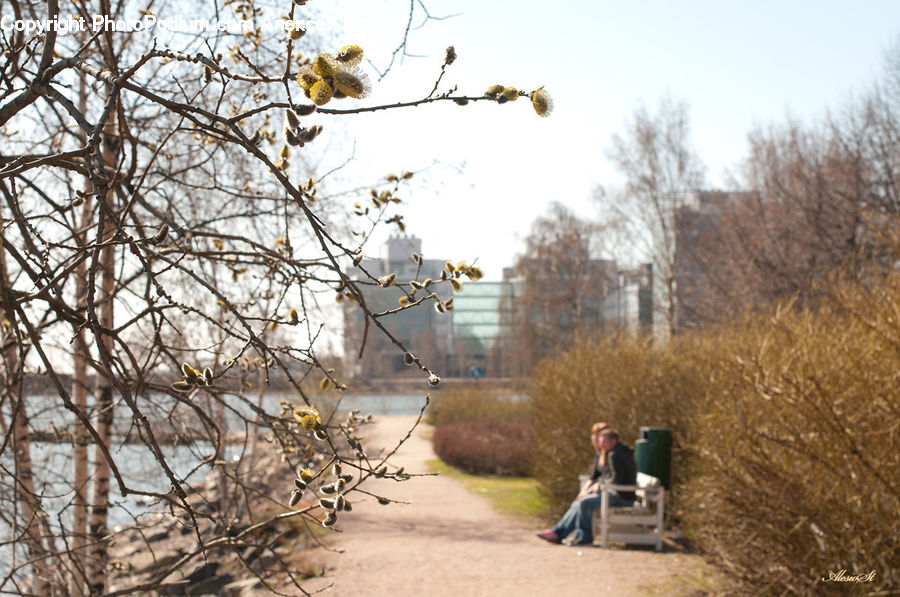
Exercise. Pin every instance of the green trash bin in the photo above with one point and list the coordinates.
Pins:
(653, 453)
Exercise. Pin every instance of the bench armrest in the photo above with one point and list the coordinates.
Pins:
(614, 487)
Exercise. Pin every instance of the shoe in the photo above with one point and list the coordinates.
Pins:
(549, 536)
(575, 542)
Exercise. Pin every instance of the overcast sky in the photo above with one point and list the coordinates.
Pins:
(486, 171)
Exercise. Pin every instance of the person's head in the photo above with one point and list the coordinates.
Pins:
(608, 438)
(596, 430)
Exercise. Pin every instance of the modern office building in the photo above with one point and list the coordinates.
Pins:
(467, 340)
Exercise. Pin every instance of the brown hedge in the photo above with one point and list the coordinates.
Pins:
(495, 447)
(786, 427)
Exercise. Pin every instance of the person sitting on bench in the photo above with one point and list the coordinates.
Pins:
(614, 463)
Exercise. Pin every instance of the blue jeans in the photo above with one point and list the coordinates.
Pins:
(579, 516)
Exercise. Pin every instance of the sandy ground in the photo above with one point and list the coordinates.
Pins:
(450, 542)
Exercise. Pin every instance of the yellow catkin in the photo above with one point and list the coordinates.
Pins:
(296, 32)
(352, 84)
(324, 65)
(493, 91)
(321, 93)
(350, 55)
(510, 93)
(306, 78)
(542, 102)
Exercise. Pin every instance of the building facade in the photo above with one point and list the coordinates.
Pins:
(473, 338)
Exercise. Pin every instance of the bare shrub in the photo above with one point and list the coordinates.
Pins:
(798, 475)
(483, 431)
(492, 447)
(786, 452)
(620, 379)
(457, 404)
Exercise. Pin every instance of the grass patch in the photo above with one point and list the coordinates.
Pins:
(514, 496)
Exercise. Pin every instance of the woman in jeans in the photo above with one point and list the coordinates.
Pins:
(614, 463)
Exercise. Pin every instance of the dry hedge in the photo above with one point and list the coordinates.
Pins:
(483, 431)
(799, 472)
(493, 447)
(625, 381)
(786, 430)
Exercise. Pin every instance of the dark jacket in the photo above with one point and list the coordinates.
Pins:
(619, 469)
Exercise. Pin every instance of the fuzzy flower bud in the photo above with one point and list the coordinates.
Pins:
(324, 65)
(291, 119)
(308, 417)
(321, 93)
(295, 498)
(329, 519)
(493, 91)
(160, 235)
(542, 102)
(350, 55)
(296, 31)
(306, 78)
(510, 94)
(450, 56)
(351, 83)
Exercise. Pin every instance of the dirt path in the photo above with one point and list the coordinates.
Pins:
(450, 542)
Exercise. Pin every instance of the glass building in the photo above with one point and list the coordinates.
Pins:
(471, 339)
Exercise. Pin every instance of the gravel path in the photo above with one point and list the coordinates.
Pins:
(450, 542)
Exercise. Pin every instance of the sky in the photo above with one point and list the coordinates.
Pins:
(484, 172)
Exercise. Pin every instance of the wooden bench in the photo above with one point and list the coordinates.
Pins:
(641, 524)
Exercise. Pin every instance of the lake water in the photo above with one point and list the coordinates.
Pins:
(53, 462)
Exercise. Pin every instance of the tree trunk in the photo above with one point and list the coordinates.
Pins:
(27, 498)
(99, 509)
(79, 397)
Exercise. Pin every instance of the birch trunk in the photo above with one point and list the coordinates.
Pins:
(79, 396)
(32, 515)
(99, 508)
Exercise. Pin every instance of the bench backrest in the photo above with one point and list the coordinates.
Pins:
(647, 481)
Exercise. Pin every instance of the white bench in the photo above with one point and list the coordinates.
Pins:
(640, 524)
